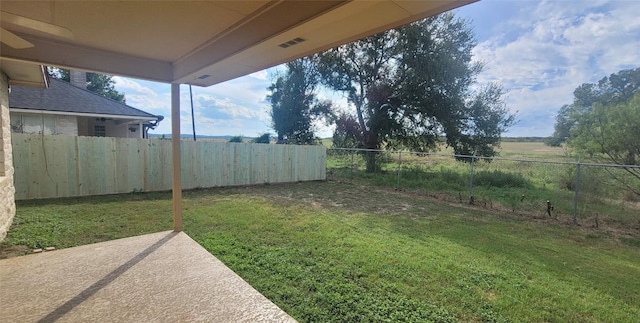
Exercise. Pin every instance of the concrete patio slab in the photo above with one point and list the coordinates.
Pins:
(160, 277)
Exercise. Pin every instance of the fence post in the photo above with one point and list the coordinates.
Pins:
(576, 191)
(399, 163)
(473, 161)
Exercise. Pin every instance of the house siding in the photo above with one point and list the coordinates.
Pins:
(67, 125)
(122, 131)
(47, 124)
(114, 130)
(7, 190)
(38, 123)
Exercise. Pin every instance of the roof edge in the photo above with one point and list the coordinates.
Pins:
(97, 115)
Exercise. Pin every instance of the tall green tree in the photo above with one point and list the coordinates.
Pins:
(611, 133)
(413, 85)
(294, 106)
(98, 83)
(610, 90)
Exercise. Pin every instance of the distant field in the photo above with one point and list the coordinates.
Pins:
(507, 148)
(530, 149)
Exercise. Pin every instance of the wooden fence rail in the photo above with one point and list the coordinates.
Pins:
(63, 166)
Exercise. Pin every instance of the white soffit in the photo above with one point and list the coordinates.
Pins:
(24, 74)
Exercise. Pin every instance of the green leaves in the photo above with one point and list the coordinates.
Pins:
(411, 86)
(264, 138)
(615, 89)
(294, 106)
(236, 139)
(603, 123)
(98, 83)
(611, 133)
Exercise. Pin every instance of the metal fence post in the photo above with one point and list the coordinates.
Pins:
(399, 163)
(576, 191)
(473, 161)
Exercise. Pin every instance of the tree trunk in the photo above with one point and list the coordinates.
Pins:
(371, 142)
(370, 157)
(369, 137)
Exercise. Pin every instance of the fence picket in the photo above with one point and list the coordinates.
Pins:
(65, 166)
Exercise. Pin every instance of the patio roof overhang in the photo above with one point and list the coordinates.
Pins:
(190, 42)
(24, 73)
(196, 42)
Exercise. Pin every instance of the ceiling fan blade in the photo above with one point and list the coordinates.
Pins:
(35, 25)
(12, 40)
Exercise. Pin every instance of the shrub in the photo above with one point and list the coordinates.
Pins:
(264, 138)
(498, 178)
(236, 139)
(591, 179)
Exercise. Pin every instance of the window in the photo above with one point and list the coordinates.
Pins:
(99, 130)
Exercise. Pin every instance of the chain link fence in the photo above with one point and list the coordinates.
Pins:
(577, 192)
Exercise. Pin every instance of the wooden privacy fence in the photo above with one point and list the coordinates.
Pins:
(62, 166)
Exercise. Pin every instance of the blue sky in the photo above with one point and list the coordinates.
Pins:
(539, 51)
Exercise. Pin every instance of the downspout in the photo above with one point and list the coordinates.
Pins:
(150, 126)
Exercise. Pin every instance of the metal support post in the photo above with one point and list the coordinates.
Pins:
(575, 196)
(399, 165)
(473, 161)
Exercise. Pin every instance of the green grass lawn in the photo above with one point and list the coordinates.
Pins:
(332, 251)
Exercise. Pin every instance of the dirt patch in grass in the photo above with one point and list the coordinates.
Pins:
(10, 251)
(377, 199)
(355, 197)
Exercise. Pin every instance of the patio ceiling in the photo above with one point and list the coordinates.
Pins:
(196, 42)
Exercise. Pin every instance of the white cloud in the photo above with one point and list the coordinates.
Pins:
(225, 106)
(132, 86)
(558, 45)
(234, 107)
(261, 75)
(154, 98)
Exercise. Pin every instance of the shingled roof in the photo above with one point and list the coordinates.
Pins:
(61, 96)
